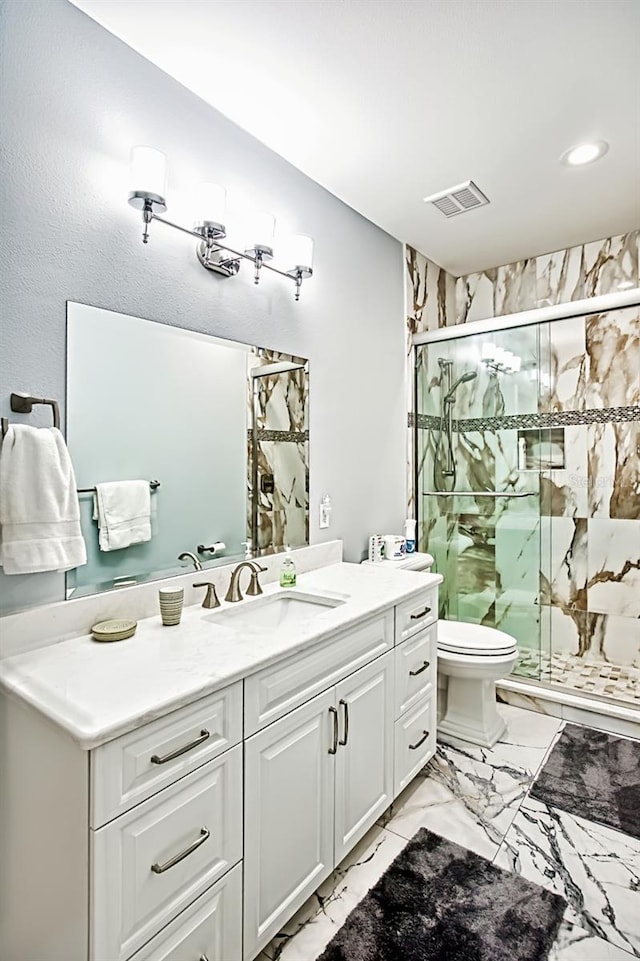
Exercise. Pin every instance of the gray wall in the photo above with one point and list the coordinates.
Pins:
(74, 99)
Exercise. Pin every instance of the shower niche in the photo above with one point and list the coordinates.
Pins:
(541, 449)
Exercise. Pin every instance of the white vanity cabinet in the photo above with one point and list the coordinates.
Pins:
(197, 835)
(315, 782)
(109, 847)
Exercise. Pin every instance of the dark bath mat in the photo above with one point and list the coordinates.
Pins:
(440, 902)
(594, 775)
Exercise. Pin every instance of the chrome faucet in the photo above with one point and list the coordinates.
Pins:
(210, 598)
(234, 593)
(188, 556)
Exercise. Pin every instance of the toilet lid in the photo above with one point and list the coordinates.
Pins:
(457, 637)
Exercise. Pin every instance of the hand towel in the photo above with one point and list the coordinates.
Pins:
(39, 510)
(123, 512)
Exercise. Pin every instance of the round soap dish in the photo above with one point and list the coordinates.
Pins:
(116, 630)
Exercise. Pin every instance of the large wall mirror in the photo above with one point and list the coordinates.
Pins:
(221, 426)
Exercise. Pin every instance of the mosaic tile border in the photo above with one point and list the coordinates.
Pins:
(289, 436)
(558, 418)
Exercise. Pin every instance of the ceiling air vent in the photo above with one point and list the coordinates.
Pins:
(457, 200)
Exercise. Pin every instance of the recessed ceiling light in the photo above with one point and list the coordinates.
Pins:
(585, 153)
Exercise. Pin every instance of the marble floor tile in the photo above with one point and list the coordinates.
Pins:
(575, 944)
(313, 926)
(594, 867)
(470, 794)
(478, 797)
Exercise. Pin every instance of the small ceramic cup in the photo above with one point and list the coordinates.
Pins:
(171, 601)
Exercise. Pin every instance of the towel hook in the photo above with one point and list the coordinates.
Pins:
(23, 404)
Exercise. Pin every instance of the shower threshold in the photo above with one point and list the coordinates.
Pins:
(602, 713)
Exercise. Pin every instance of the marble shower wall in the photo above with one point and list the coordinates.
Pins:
(556, 278)
(584, 530)
(278, 446)
(430, 299)
(590, 574)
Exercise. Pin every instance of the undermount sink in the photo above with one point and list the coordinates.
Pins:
(274, 610)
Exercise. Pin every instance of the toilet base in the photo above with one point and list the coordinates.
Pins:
(472, 714)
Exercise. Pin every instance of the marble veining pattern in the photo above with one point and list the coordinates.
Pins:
(594, 867)
(278, 454)
(478, 798)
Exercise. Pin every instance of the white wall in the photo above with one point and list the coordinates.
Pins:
(74, 99)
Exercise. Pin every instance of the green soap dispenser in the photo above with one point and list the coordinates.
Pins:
(288, 572)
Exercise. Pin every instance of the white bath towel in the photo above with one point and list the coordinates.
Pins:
(123, 512)
(39, 511)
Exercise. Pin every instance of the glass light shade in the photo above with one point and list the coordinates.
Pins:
(301, 252)
(211, 201)
(262, 227)
(500, 356)
(148, 174)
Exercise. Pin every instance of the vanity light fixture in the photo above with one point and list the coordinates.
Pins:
(499, 360)
(147, 192)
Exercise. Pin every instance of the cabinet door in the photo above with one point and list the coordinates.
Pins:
(364, 764)
(288, 832)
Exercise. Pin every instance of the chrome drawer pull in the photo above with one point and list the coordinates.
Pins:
(420, 669)
(344, 740)
(161, 868)
(334, 748)
(425, 735)
(416, 617)
(156, 759)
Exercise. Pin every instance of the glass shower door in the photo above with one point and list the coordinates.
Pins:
(479, 451)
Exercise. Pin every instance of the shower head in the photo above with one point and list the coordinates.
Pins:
(466, 376)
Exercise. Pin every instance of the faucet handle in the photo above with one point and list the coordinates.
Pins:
(210, 598)
(254, 587)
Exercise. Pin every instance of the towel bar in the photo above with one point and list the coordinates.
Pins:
(23, 404)
(154, 485)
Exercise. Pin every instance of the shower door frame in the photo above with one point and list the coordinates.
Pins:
(525, 318)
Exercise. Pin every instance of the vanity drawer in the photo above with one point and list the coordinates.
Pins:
(274, 692)
(415, 669)
(150, 863)
(414, 615)
(413, 749)
(133, 767)
(209, 928)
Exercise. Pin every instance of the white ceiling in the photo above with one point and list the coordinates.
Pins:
(386, 101)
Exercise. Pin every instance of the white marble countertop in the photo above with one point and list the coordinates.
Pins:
(97, 691)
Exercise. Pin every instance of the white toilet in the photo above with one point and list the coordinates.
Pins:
(472, 658)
